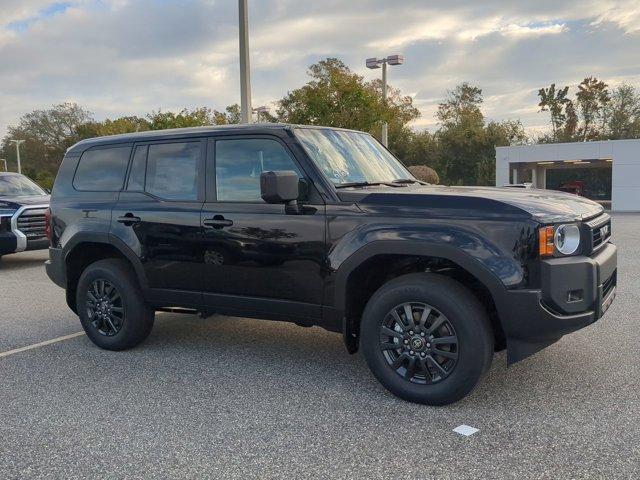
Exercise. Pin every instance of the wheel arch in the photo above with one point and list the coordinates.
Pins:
(378, 262)
(85, 249)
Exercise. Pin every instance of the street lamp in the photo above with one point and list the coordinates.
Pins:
(18, 143)
(374, 63)
(245, 76)
(259, 110)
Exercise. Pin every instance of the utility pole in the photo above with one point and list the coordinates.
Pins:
(377, 63)
(245, 77)
(18, 143)
(385, 127)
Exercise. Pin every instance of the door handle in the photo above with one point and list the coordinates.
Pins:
(218, 221)
(129, 219)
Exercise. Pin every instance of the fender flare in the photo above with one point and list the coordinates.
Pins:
(403, 247)
(108, 240)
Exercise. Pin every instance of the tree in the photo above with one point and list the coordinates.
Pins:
(462, 106)
(197, 117)
(591, 99)
(159, 120)
(337, 97)
(623, 113)
(231, 115)
(571, 124)
(123, 125)
(587, 117)
(466, 143)
(555, 101)
(47, 134)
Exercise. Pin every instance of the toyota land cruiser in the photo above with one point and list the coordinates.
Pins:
(323, 226)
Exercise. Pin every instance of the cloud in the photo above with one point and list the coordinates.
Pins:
(514, 30)
(120, 57)
(627, 17)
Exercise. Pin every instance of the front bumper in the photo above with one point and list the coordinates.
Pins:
(8, 243)
(12, 237)
(576, 292)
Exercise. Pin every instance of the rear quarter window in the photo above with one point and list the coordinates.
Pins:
(102, 169)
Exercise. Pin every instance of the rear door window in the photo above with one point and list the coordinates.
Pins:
(173, 170)
(102, 169)
(138, 169)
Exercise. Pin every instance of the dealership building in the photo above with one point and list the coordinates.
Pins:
(607, 171)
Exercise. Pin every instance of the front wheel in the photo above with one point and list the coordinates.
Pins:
(111, 306)
(426, 338)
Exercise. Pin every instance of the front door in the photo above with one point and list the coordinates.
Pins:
(158, 213)
(271, 258)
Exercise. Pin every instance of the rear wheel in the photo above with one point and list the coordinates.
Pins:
(111, 308)
(426, 338)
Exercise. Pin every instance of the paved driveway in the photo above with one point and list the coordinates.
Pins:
(238, 398)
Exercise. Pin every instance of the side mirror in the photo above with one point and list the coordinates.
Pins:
(281, 186)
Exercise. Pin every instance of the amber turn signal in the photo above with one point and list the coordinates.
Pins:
(545, 237)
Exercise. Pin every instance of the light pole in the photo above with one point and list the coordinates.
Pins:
(376, 63)
(259, 110)
(18, 143)
(245, 77)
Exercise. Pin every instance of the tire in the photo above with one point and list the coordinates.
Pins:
(131, 319)
(463, 324)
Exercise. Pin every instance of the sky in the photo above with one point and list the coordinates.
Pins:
(129, 57)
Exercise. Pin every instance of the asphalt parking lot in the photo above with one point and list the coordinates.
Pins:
(239, 398)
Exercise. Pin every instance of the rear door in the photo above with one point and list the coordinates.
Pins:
(158, 213)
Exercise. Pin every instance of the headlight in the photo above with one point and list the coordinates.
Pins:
(563, 239)
(567, 239)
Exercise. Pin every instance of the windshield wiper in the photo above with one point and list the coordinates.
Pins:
(395, 183)
(403, 181)
(358, 184)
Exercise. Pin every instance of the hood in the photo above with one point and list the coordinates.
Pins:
(14, 203)
(545, 206)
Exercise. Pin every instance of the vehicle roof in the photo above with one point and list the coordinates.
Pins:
(255, 128)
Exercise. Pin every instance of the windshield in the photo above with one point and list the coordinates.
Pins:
(18, 185)
(351, 157)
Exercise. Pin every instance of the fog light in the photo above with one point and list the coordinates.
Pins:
(575, 295)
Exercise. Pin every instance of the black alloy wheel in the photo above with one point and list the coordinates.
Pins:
(105, 308)
(111, 305)
(426, 338)
(419, 343)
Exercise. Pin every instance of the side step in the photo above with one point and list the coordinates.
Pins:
(186, 311)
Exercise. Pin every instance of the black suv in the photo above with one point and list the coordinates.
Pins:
(323, 226)
(23, 205)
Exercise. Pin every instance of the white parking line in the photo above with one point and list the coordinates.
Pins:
(41, 344)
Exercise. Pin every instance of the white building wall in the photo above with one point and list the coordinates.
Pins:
(625, 154)
(626, 176)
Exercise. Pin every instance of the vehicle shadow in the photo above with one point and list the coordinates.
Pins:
(313, 359)
(19, 261)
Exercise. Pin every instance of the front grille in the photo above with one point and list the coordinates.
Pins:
(31, 223)
(600, 231)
